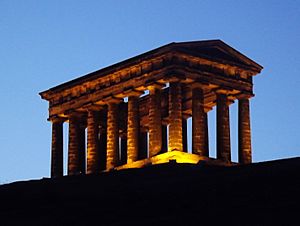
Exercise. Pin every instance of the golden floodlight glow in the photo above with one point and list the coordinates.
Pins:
(177, 156)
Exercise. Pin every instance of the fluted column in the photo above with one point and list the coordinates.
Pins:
(155, 126)
(198, 123)
(133, 127)
(74, 147)
(92, 142)
(175, 117)
(245, 155)
(112, 158)
(57, 148)
(223, 128)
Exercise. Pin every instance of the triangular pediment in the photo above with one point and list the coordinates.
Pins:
(216, 50)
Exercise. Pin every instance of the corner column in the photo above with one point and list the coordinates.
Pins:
(245, 155)
(57, 148)
(112, 156)
(133, 127)
(199, 123)
(155, 124)
(175, 117)
(223, 128)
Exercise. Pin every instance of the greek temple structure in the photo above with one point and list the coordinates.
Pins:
(135, 112)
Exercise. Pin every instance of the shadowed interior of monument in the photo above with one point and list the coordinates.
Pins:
(163, 157)
(136, 112)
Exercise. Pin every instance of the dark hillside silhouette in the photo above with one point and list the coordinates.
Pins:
(168, 194)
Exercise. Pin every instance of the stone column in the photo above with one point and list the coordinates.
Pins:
(124, 155)
(57, 148)
(175, 117)
(102, 151)
(223, 128)
(92, 142)
(133, 127)
(82, 150)
(112, 158)
(102, 147)
(206, 135)
(143, 145)
(155, 134)
(164, 136)
(73, 152)
(184, 134)
(198, 123)
(245, 156)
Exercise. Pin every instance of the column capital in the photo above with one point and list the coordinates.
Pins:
(207, 109)
(223, 91)
(73, 113)
(57, 118)
(133, 92)
(229, 99)
(113, 100)
(242, 96)
(186, 115)
(93, 107)
(200, 85)
(174, 79)
(152, 87)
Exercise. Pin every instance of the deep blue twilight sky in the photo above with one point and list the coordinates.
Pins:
(45, 43)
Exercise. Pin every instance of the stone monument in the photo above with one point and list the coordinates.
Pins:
(135, 112)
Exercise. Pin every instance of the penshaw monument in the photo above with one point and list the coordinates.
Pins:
(134, 113)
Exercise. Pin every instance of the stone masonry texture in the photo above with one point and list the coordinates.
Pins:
(92, 142)
(133, 126)
(112, 158)
(73, 155)
(244, 132)
(223, 129)
(175, 116)
(198, 123)
(155, 126)
(57, 149)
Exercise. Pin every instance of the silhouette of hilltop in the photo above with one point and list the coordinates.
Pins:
(265, 193)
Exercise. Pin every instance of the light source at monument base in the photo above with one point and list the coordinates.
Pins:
(174, 156)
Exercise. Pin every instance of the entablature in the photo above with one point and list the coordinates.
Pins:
(138, 73)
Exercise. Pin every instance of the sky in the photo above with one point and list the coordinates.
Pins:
(46, 43)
